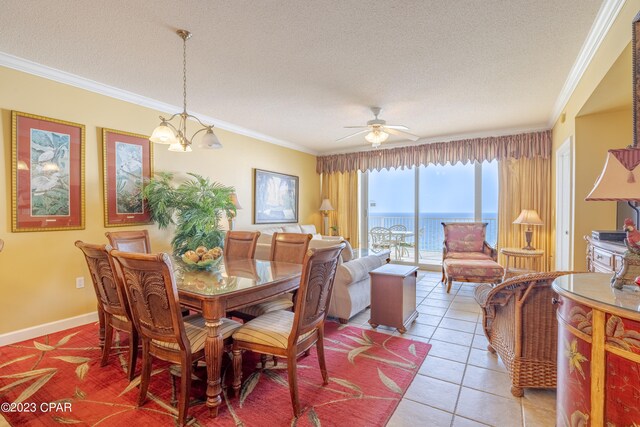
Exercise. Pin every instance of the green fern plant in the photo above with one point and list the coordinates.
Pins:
(195, 207)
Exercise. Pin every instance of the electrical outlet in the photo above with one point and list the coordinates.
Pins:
(79, 282)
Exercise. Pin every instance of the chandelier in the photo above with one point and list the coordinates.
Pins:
(176, 137)
(376, 137)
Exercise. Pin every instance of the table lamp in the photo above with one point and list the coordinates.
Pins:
(620, 182)
(231, 216)
(528, 217)
(325, 207)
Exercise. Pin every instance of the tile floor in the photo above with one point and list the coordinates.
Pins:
(460, 383)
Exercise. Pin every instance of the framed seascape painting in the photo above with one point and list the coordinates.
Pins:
(128, 164)
(275, 197)
(47, 169)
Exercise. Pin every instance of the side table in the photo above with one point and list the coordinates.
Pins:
(393, 296)
(532, 261)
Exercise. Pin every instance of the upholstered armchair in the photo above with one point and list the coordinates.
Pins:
(519, 320)
(466, 255)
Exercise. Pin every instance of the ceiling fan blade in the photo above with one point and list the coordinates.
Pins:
(401, 127)
(352, 135)
(407, 135)
(356, 127)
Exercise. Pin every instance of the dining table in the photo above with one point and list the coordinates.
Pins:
(231, 285)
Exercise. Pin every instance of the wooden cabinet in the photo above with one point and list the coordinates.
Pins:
(604, 256)
(598, 352)
(393, 296)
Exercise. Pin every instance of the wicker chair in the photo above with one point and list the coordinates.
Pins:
(519, 320)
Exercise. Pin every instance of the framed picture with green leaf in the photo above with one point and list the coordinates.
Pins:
(127, 165)
(47, 171)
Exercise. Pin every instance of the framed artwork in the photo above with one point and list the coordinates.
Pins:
(47, 170)
(127, 164)
(275, 197)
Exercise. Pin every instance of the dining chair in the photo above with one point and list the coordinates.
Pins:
(240, 244)
(130, 241)
(151, 290)
(289, 334)
(112, 302)
(285, 247)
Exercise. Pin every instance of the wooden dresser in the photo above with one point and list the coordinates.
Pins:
(598, 352)
(604, 256)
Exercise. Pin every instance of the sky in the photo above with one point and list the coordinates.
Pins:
(443, 189)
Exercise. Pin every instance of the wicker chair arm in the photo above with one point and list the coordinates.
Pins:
(482, 293)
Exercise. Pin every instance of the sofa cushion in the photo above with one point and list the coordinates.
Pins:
(308, 229)
(468, 255)
(357, 269)
(469, 268)
(291, 228)
(460, 237)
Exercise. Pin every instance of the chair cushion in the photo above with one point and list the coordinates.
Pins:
(468, 255)
(469, 268)
(197, 333)
(281, 302)
(272, 329)
(465, 237)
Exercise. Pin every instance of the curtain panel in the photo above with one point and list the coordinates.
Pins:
(520, 146)
(342, 190)
(524, 184)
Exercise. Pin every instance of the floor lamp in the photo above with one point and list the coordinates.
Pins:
(325, 207)
(231, 216)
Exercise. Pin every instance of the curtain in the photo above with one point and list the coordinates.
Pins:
(524, 145)
(342, 190)
(524, 184)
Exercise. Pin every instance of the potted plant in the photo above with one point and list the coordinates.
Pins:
(195, 206)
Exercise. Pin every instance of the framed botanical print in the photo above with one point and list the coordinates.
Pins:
(128, 164)
(275, 197)
(47, 169)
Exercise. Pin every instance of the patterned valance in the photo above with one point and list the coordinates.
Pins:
(524, 145)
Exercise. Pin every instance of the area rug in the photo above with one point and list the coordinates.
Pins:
(57, 379)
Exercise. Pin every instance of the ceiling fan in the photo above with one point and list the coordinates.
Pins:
(378, 130)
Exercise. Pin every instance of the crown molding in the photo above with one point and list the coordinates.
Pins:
(444, 138)
(606, 16)
(30, 67)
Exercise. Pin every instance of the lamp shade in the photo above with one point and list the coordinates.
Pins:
(620, 178)
(210, 141)
(233, 197)
(326, 205)
(376, 137)
(528, 217)
(163, 134)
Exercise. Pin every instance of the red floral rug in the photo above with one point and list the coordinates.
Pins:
(57, 379)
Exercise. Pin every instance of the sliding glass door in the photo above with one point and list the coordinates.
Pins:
(405, 208)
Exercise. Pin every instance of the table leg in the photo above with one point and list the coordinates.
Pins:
(213, 348)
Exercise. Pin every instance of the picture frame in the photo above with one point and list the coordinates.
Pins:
(127, 165)
(275, 197)
(47, 171)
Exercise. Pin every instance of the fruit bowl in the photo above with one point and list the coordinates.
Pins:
(201, 265)
(202, 258)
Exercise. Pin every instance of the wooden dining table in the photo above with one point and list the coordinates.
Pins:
(235, 284)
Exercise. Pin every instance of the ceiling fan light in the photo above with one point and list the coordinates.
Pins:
(210, 141)
(177, 147)
(376, 137)
(163, 134)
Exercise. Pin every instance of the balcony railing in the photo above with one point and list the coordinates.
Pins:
(430, 234)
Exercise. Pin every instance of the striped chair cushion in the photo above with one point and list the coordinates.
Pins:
(197, 333)
(281, 302)
(272, 329)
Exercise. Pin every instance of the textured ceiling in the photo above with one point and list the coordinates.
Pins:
(299, 70)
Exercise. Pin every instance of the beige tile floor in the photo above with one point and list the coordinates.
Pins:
(460, 383)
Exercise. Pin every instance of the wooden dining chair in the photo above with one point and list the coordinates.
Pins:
(112, 302)
(289, 334)
(130, 241)
(166, 335)
(240, 244)
(285, 247)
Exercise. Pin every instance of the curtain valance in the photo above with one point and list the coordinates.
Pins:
(524, 145)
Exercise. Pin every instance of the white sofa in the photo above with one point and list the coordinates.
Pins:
(351, 289)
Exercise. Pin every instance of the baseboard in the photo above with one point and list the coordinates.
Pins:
(47, 328)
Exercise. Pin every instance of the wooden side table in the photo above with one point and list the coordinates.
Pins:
(532, 261)
(393, 296)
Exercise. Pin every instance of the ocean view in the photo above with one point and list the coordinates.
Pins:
(429, 236)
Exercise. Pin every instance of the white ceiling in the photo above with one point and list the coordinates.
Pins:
(298, 71)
